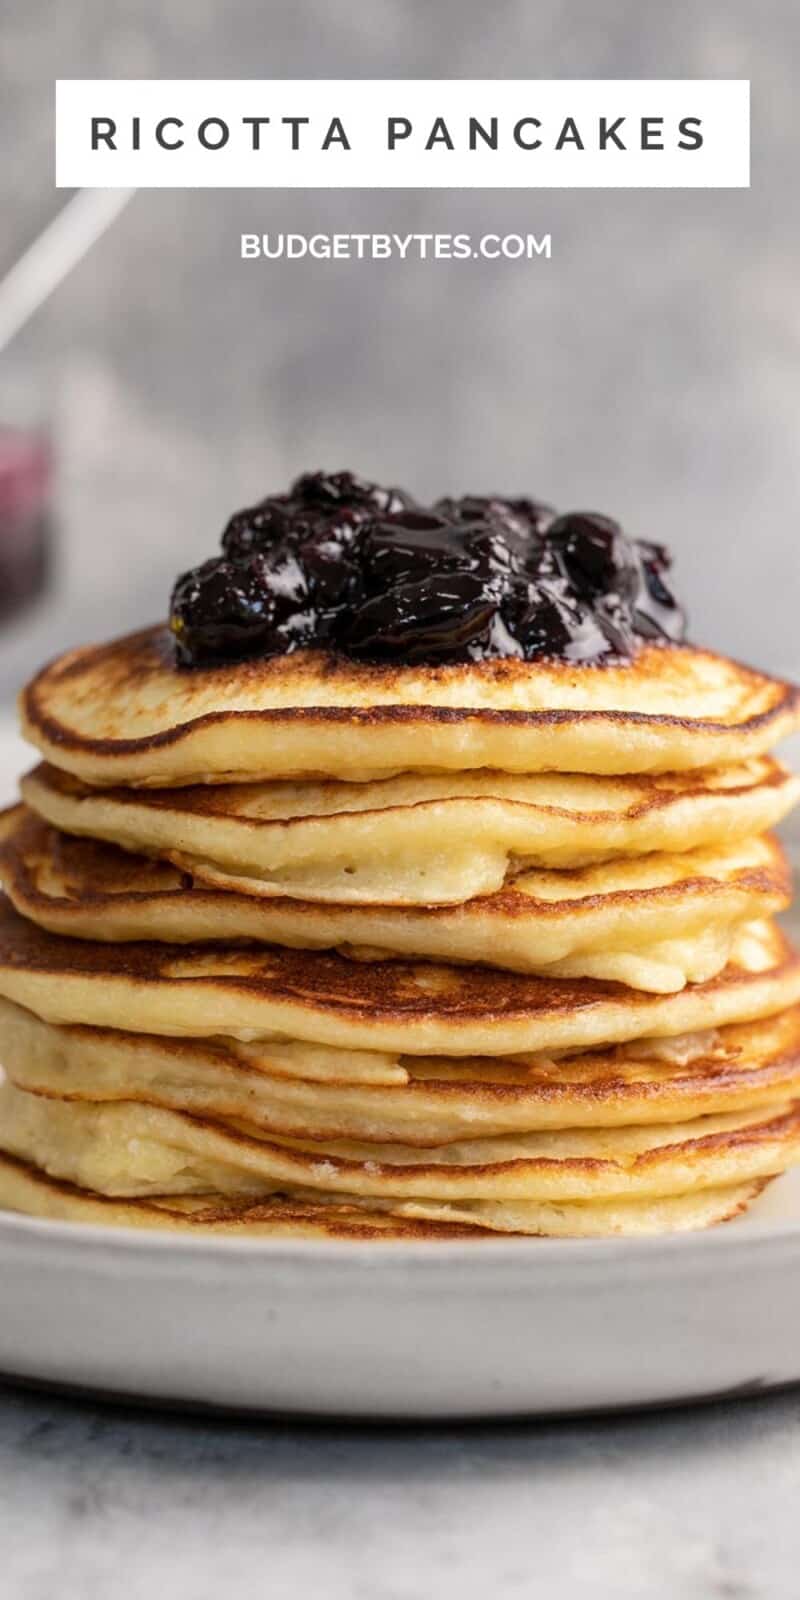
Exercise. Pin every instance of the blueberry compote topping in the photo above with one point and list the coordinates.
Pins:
(343, 565)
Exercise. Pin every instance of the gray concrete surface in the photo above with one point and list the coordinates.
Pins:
(682, 1505)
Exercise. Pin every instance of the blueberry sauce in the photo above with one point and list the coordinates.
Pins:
(344, 565)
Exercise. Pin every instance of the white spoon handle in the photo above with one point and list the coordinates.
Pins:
(64, 242)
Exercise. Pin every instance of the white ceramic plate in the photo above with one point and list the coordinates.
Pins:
(15, 756)
(498, 1328)
(502, 1327)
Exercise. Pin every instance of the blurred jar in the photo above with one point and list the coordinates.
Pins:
(26, 486)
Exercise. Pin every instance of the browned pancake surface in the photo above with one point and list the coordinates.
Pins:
(416, 1008)
(124, 711)
(58, 879)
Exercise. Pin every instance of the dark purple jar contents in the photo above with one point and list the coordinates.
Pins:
(344, 565)
(25, 530)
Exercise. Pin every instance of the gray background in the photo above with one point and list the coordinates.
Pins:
(649, 370)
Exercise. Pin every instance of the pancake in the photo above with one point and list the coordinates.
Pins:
(128, 1150)
(654, 923)
(123, 713)
(430, 1100)
(416, 839)
(201, 991)
(24, 1188)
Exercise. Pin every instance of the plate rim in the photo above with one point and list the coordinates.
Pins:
(117, 1246)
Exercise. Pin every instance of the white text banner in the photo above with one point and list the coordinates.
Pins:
(403, 134)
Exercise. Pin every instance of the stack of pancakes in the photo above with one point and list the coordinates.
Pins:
(302, 946)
